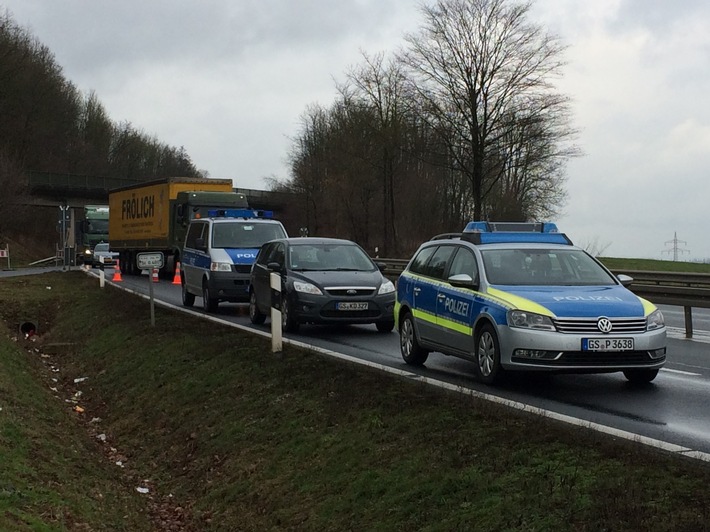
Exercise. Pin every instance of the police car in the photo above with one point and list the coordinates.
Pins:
(520, 296)
(219, 253)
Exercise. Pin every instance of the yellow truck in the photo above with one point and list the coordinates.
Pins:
(153, 216)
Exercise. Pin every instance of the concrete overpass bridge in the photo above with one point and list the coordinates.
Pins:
(75, 191)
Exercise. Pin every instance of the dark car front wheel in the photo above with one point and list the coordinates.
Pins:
(255, 315)
(289, 321)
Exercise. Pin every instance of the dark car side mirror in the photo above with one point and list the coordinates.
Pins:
(381, 266)
(274, 266)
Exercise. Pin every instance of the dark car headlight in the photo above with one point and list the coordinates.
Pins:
(307, 288)
(387, 287)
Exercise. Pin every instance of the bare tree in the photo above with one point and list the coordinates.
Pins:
(482, 71)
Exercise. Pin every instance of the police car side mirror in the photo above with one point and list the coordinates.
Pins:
(625, 280)
(464, 280)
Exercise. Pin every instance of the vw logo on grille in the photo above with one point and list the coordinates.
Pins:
(604, 325)
(351, 292)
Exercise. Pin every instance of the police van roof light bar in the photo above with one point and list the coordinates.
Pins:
(514, 232)
(239, 213)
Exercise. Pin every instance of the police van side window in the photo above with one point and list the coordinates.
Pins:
(437, 264)
(464, 262)
(419, 263)
(193, 234)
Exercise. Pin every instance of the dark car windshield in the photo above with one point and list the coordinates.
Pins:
(243, 234)
(543, 267)
(329, 257)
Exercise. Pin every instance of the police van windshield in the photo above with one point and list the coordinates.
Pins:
(245, 234)
(543, 267)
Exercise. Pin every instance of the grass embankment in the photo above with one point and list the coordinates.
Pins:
(655, 265)
(227, 436)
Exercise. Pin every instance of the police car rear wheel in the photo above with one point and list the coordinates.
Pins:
(256, 317)
(188, 299)
(412, 353)
(488, 369)
(640, 376)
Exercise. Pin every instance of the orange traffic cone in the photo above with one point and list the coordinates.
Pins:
(176, 277)
(155, 276)
(117, 272)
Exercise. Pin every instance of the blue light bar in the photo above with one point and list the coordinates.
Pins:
(514, 232)
(239, 213)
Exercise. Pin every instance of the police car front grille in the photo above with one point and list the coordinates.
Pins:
(350, 291)
(589, 325)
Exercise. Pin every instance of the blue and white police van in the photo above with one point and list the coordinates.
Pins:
(219, 253)
(522, 297)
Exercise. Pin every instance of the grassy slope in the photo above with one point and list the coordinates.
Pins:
(230, 437)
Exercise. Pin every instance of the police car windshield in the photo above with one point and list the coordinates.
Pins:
(244, 234)
(543, 267)
(329, 257)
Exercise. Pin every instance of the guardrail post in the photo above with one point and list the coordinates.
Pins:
(688, 322)
(276, 333)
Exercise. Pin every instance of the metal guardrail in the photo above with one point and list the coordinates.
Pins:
(685, 290)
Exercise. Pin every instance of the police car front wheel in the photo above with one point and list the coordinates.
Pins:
(641, 375)
(412, 353)
(487, 355)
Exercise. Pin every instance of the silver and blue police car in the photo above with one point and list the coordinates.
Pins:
(522, 297)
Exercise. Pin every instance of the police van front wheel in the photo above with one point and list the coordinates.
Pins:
(208, 302)
(412, 353)
(188, 299)
(487, 356)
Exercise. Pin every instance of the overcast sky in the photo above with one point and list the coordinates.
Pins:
(229, 80)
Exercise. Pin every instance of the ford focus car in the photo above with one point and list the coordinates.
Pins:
(521, 297)
(324, 281)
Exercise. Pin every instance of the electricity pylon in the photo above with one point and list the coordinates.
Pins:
(675, 249)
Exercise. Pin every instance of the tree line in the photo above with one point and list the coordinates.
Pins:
(48, 125)
(464, 122)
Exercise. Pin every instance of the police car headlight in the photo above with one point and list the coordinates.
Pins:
(306, 288)
(386, 288)
(529, 320)
(220, 267)
(655, 321)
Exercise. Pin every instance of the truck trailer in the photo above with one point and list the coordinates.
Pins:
(153, 216)
(90, 229)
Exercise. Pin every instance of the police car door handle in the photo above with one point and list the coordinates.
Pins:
(417, 290)
(441, 296)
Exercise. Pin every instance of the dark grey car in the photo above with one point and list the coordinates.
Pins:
(323, 280)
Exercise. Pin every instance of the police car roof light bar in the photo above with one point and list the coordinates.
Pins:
(514, 232)
(239, 213)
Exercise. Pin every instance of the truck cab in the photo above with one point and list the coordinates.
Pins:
(219, 252)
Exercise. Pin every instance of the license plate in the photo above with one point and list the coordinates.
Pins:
(351, 306)
(607, 344)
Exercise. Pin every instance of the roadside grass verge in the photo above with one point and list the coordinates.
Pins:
(227, 436)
